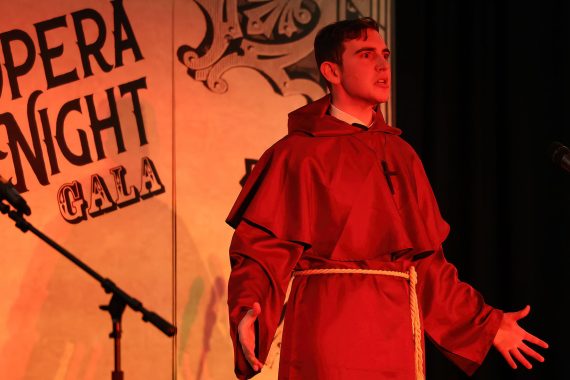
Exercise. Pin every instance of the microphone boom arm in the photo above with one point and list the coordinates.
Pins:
(119, 300)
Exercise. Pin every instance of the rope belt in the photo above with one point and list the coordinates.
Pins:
(412, 276)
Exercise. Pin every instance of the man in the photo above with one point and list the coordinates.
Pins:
(343, 203)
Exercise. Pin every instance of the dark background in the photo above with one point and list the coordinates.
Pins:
(481, 92)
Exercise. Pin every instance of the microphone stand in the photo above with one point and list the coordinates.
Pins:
(119, 299)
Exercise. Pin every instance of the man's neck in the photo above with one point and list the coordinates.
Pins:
(346, 117)
(363, 112)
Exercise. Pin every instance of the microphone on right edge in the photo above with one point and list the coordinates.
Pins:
(560, 155)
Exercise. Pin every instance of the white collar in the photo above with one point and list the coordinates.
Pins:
(348, 118)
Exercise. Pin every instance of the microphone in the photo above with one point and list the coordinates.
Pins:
(10, 194)
(560, 155)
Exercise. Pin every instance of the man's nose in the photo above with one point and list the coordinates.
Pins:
(382, 63)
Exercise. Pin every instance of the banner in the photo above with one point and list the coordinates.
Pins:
(129, 127)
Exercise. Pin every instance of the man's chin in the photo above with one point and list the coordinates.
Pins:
(382, 97)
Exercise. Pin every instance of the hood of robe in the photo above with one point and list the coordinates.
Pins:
(313, 120)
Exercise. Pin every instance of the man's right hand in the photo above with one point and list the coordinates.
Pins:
(246, 333)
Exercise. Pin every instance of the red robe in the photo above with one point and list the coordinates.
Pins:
(320, 198)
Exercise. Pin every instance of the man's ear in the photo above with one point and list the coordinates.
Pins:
(331, 72)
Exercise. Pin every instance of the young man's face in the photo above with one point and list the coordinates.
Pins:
(365, 69)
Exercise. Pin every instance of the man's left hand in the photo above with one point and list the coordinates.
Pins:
(510, 340)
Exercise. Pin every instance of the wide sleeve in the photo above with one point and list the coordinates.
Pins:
(455, 315)
(261, 269)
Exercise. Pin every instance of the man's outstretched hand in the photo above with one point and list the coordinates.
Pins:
(246, 333)
(510, 338)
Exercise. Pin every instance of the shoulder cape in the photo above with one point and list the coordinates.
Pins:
(323, 185)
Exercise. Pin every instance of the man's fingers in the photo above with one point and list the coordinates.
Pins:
(246, 352)
(509, 359)
(539, 342)
(251, 316)
(257, 365)
(254, 363)
(247, 345)
(516, 353)
(254, 312)
(530, 352)
(523, 313)
(246, 332)
(250, 357)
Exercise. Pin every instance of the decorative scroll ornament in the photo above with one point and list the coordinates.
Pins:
(274, 37)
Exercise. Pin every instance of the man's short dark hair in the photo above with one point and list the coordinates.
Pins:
(329, 40)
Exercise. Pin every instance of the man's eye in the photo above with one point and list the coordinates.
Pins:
(365, 55)
(386, 55)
